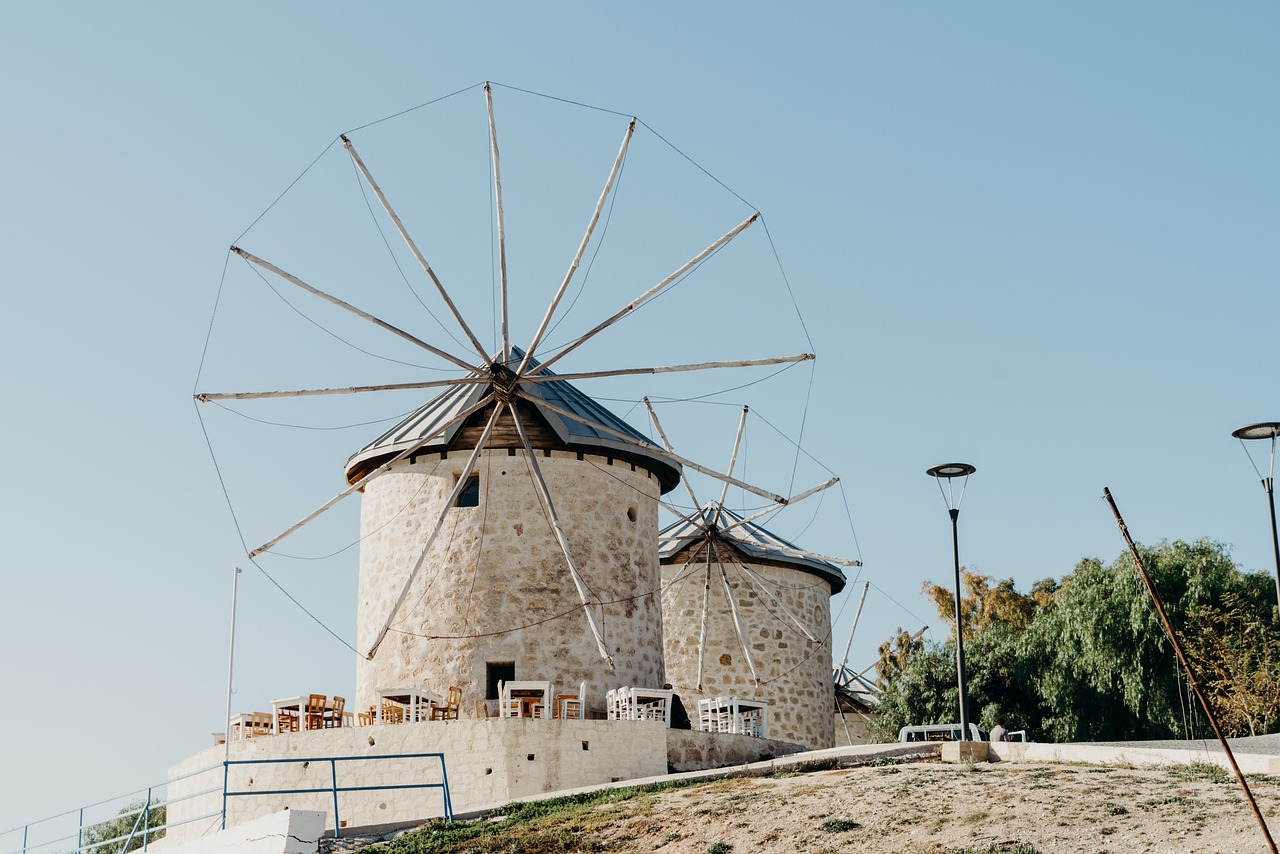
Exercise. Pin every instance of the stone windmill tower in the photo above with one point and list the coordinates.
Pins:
(746, 613)
(495, 598)
(508, 527)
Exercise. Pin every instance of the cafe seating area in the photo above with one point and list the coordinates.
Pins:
(734, 715)
(516, 699)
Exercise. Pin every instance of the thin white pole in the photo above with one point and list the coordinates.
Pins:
(545, 404)
(413, 247)
(444, 511)
(733, 458)
(668, 369)
(231, 661)
(545, 495)
(359, 484)
(582, 247)
(649, 294)
(861, 601)
(294, 280)
(206, 397)
(502, 230)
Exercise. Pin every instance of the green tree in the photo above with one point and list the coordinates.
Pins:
(1235, 650)
(1101, 662)
(1088, 660)
(96, 838)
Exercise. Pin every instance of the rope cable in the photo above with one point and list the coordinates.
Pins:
(286, 191)
(411, 109)
(364, 194)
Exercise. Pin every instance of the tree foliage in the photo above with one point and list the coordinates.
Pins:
(1087, 659)
(98, 838)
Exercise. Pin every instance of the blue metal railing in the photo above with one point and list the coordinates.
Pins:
(141, 827)
(334, 789)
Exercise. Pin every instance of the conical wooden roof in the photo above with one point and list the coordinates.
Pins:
(546, 429)
(753, 541)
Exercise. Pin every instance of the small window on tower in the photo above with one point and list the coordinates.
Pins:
(470, 494)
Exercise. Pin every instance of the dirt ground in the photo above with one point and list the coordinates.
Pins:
(937, 807)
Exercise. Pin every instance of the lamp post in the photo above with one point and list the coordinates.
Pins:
(949, 473)
(1265, 430)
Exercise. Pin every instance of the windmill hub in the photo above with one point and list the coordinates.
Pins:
(504, 382)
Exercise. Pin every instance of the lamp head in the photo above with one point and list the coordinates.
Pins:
(950, 470)
(1264, 430)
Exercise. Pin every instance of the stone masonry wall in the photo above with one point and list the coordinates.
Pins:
(488, 764)
(795, 673)
(495, 587)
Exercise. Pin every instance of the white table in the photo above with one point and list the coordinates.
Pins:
(641, 704)
(296, 704)
(734, 714)
(250, 724)
(417, 703)
(527, 699)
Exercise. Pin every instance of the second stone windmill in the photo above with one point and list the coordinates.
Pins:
(747, 614)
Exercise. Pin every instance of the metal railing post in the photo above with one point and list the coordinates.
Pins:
(80, 832)
(333, 777)
(226, 769)
(146, 821)
(444, 778)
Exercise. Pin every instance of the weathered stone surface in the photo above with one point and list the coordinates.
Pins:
(794, 672)
(495, 587)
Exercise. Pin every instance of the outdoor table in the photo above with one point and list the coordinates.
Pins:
(522, 698)
(417, 703)
(734, 714)
(297, 705)
(649, 704)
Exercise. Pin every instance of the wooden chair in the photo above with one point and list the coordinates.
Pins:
(333, 716)
(315, 711)
(259, 723)
(392, 714)
(449, 711)
(365, 718)
(288, 721)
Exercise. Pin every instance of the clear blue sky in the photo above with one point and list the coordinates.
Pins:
(1039, 239)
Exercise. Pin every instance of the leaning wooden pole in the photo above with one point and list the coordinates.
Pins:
(1186, 666)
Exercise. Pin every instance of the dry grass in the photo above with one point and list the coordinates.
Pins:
(920, 808)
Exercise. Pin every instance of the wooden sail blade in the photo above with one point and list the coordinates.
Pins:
(502, 229)
(544, 495)
(582, 247)
(737, 625)
(413, 247)
(792, 500)
(763, 587)
(733, 458)
(667, 369)
(294, 280)
(651, 293)
(653, 416)
(444, 512)
(206, 397)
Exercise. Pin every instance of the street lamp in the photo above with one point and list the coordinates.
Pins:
(1265, 430)
(949, 473)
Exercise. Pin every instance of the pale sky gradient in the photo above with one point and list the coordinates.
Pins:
(1039, 239)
